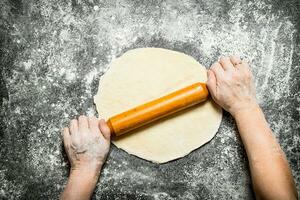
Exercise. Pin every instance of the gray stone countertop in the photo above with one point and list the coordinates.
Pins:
(53, 53)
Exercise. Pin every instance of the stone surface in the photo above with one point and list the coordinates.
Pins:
(52, 54)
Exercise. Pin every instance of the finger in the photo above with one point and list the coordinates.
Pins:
(67, 137)
(218, 70)
(73, 126)
(83, 123)
(211, 82)
(94, 125)
(226, 63)
(104, 129)
(235, 60)
(244, 66)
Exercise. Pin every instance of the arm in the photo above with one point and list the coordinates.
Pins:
(231, 86)
(271, 176)
(87, 143)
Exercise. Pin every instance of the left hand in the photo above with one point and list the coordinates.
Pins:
(87, 143)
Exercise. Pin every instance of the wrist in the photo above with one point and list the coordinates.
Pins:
(89, 172)
(83, 177)
(81, 183)
(83, 166)
(250, 109)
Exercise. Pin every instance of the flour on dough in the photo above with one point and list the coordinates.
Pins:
(144, 74)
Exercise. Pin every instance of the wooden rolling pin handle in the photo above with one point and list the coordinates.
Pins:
(158, 108)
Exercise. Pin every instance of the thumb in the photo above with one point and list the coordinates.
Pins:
(211, 83)
(104, 129)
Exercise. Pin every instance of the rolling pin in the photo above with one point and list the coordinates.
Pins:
(158, 108)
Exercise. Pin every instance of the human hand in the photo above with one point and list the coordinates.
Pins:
(230, 83)
(87, 143)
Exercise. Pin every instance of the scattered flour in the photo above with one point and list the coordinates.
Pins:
(75, 48)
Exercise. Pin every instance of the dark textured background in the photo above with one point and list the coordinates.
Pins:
(53, 52)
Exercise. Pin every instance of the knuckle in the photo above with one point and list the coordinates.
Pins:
(235, 57)
(213, 70)
(92, 118)
(236, 76)
(215, 67)
(224, 81)
(82, 117)
(222, 59)
(73, 121)
(76, 142)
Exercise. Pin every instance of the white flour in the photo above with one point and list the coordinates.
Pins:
(75, 49)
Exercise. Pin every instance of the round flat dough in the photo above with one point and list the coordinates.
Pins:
(141, 75)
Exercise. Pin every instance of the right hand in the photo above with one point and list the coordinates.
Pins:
(230, 83)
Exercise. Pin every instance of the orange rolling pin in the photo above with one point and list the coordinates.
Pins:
(158, 108)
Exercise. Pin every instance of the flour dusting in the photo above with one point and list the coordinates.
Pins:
(65, 47)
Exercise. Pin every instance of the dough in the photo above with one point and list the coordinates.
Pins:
(145, 74)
